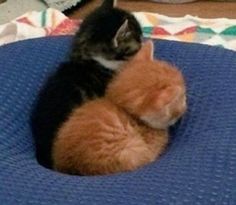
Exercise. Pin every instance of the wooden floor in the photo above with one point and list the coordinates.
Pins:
(204, 9)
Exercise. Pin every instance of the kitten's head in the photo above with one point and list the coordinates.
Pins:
(152, 90)
(109, 34)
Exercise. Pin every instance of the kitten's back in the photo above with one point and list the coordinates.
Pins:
(99, 138)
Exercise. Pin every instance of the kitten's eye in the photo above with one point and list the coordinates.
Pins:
(126, 50)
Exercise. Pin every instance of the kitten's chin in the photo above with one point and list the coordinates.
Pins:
(110, 64)
(172, 122)
(154, 123)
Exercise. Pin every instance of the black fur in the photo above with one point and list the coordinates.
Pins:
(60, 95)
(94, 39)
(82, 78)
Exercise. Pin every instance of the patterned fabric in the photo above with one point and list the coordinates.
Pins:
(198, 167)
(219, 32)
(37, 24)
(62, 4)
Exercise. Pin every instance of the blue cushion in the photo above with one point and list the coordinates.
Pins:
(199, 166)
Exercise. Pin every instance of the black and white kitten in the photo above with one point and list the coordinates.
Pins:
(106, 38)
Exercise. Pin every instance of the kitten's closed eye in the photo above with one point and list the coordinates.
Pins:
(125, 55)
(130, 51)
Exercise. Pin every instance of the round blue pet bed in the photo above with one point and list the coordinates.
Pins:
(199, 166)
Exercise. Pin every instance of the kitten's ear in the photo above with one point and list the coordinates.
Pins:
(109, 4)
(121, 33)
(146, 51)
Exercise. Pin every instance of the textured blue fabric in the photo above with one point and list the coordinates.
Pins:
(199, 166)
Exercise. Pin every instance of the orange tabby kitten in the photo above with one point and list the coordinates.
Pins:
(127, 128)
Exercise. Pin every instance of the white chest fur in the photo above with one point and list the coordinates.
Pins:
(111, 64)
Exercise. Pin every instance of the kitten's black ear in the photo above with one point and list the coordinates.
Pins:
(109, 4)
(121, 33)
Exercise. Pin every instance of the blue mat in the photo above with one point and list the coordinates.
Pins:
(199, 166)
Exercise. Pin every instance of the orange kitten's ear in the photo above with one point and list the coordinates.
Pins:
(146, 52)
(149, 49)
